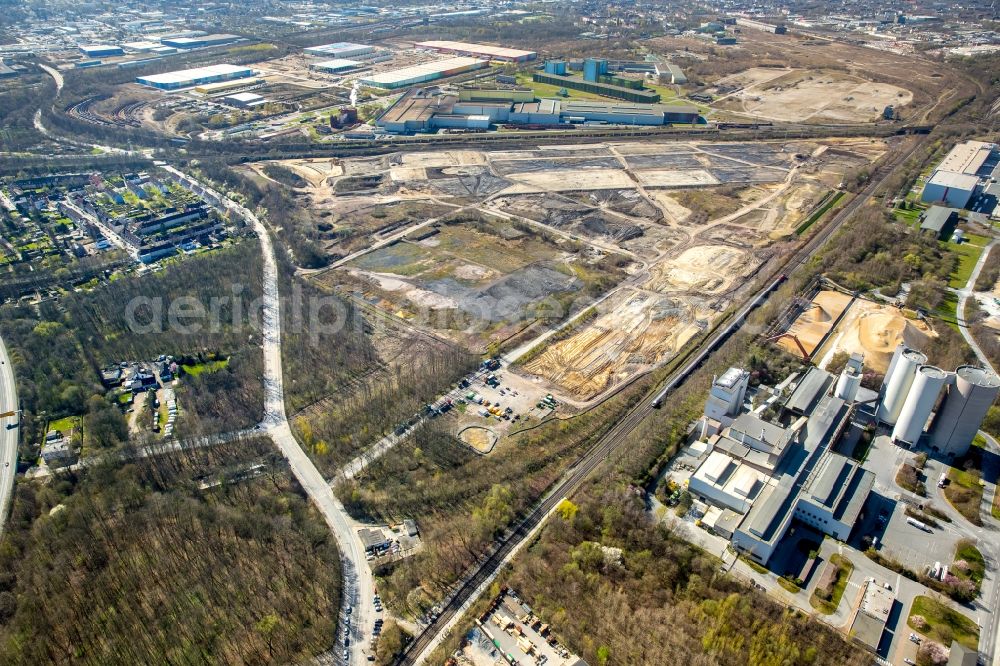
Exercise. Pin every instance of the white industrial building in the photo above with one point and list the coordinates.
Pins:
(760, 475)
(725, 398)
(950, 189)
(340, 50)
(917, 399)
(431, 71)
(244, 100)
(957, 176)
(188, 78)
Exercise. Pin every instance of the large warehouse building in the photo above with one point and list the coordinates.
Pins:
(199, 42)
(340, 50)
(411, 76)
(418, 111)
(479, 50)
(101, 50)
(187, 78)
(957, 177)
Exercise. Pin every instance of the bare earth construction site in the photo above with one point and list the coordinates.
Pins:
(587, 263)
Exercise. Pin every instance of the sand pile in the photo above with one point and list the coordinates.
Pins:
(876, 330)
(879, 333)
(815, 322)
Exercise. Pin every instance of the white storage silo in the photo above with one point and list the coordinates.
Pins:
(969, 397)
(898, 379)
(848, 384)
(920, 401)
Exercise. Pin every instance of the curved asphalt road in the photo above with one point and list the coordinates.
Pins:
(359, 584)
(9, 430)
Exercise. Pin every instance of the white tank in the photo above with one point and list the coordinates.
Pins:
(848, 385)
(920, 401)
(969, 397)
(898, 379)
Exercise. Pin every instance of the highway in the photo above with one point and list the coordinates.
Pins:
(9, 430)
(475, 580)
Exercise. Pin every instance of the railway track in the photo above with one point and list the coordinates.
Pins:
(570, 482)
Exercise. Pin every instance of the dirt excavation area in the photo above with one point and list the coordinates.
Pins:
(592, 261)
(799, 95)
(864, 327)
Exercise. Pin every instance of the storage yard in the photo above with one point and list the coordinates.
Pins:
(875, 330)
(577, 243)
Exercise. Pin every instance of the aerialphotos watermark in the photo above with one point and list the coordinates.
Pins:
(321, 316)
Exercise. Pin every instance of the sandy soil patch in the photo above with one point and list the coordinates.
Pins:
(569, 180)
(404, 174)
(675, 178)
(875, 330)
(671, 206)
(480, 439)
(447, 158)
(419, 297)
(473, 272)
(640, 331)
(804, 95)
(314, 171)
(707, 269)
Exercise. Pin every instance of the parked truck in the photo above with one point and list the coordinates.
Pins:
(918, 524)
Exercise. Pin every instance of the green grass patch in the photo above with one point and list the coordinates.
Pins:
(941, 623)
(789, 585)
(829, 203)
(966, 551)
(827, 600)
(968, 256)
(65, 425)
(947, 310)
(759, 568)
(199, 368)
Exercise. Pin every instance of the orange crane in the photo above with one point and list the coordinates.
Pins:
(795, 338)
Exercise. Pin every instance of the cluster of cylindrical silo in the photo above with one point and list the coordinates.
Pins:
(911, 390)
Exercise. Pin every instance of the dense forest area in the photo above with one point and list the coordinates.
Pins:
(208, 556)
(59, 347)
(662, 597)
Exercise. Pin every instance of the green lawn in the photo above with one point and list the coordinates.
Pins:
(941, 621)
(830, 202)
(65, 425)
(908, 216)
(965, 493)
(210, 366)
(968, 256)
(789, 586)
(967, 551)
(844, 569)
(947, 310)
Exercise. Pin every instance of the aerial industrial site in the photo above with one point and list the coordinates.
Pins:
(504, 333)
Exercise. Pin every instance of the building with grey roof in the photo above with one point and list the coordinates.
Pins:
(808, 391)
(771, 474)
(940, 221)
